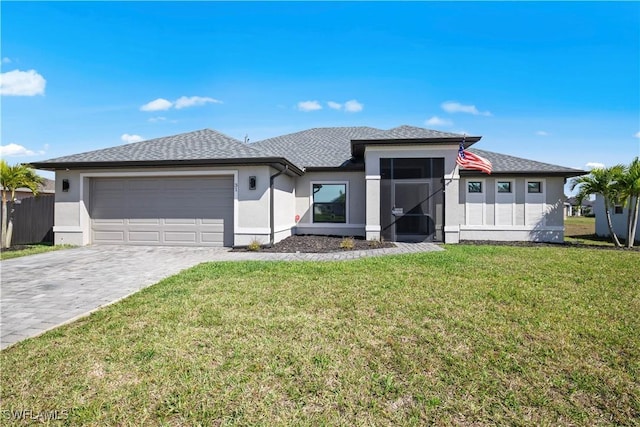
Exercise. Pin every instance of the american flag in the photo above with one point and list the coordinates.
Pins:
(469, 160)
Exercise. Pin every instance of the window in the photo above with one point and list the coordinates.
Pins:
(534, 187)
(474, 187)
(504, 186)
(617, 209)
(329, 202)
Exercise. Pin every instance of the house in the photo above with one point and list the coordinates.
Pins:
(619, 217)
(572, 207)
(47, 187)
(204, 188)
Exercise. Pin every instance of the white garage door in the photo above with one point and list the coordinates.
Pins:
(179, 211)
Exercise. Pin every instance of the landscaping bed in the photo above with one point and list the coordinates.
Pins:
(322, 244)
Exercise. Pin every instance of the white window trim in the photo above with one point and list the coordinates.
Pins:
(542, 182)
(482, 186)
(484, 199)
(502, 194)
(346, 208)
(511, 186)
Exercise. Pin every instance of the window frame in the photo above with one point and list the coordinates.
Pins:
(481, 183)
(312, 202)
(540, 187)
(504, 182)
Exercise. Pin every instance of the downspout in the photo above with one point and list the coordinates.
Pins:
(272, 179)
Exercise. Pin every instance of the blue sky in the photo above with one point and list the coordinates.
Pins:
(554, 82)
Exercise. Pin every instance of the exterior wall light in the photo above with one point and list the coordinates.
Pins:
(252, 183)
(65, 185)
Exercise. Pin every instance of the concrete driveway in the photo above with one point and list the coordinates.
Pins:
(39, 292)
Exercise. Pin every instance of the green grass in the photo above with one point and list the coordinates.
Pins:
(474, 335)
(582, 230)
(37, 248)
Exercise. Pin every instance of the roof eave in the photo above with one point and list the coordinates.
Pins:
(269, 161)
(350, 168)
(358, 145)
(566, 174)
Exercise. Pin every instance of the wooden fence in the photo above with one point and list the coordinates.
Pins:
(32, 220)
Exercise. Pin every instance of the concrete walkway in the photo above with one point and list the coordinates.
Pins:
(40, 292)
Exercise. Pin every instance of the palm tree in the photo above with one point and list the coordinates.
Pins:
(603, 181)
(12, 178)
(630, 188)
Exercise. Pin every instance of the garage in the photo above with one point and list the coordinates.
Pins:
(163, 211)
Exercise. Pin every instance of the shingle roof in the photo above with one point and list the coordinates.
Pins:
(312, 148)
(411, 132)
(317, 147)
(503, 163)
(197, 145)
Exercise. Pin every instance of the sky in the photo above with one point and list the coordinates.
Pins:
(557, 82)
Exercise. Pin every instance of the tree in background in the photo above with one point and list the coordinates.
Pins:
(12, 178)
(603, 181)
(629, 187)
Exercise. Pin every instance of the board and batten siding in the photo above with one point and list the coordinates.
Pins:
(516, 216)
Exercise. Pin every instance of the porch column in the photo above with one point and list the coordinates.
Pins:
(452, 207)
(372, 227)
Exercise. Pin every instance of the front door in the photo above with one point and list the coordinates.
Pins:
(412, 212)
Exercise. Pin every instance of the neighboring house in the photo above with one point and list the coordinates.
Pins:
(204, 188)
(619, 216)
(47, 187)
(573, 208)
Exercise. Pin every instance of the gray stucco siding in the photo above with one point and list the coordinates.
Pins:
(356, 197)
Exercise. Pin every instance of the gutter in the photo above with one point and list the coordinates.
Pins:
(272, 226)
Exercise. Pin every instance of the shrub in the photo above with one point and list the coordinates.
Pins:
(348, 243)
(254, 246)
(376, 243)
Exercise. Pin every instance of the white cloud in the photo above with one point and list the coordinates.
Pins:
(131, 138)
(334, 105)
(637, 134)
(6, 60)
(438, 121)
(159, 104)
(456, 107)
(157, 119)
(353, 106)
(595, 165)
(542, 133)
(194, 101)
(309, 106)
(22, 83)
(16, 150)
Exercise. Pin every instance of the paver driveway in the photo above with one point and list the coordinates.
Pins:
(39, 292)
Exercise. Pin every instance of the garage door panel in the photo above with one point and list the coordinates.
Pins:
(109, 236)
(145, 221)
(180, 236)
(180, 221)
(109, 221)
(163, 211)
(144, 236)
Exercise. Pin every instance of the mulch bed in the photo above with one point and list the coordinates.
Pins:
(320, 244)
(327, 244)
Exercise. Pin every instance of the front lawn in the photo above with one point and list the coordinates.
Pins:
(474, 335)
(24, 250)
